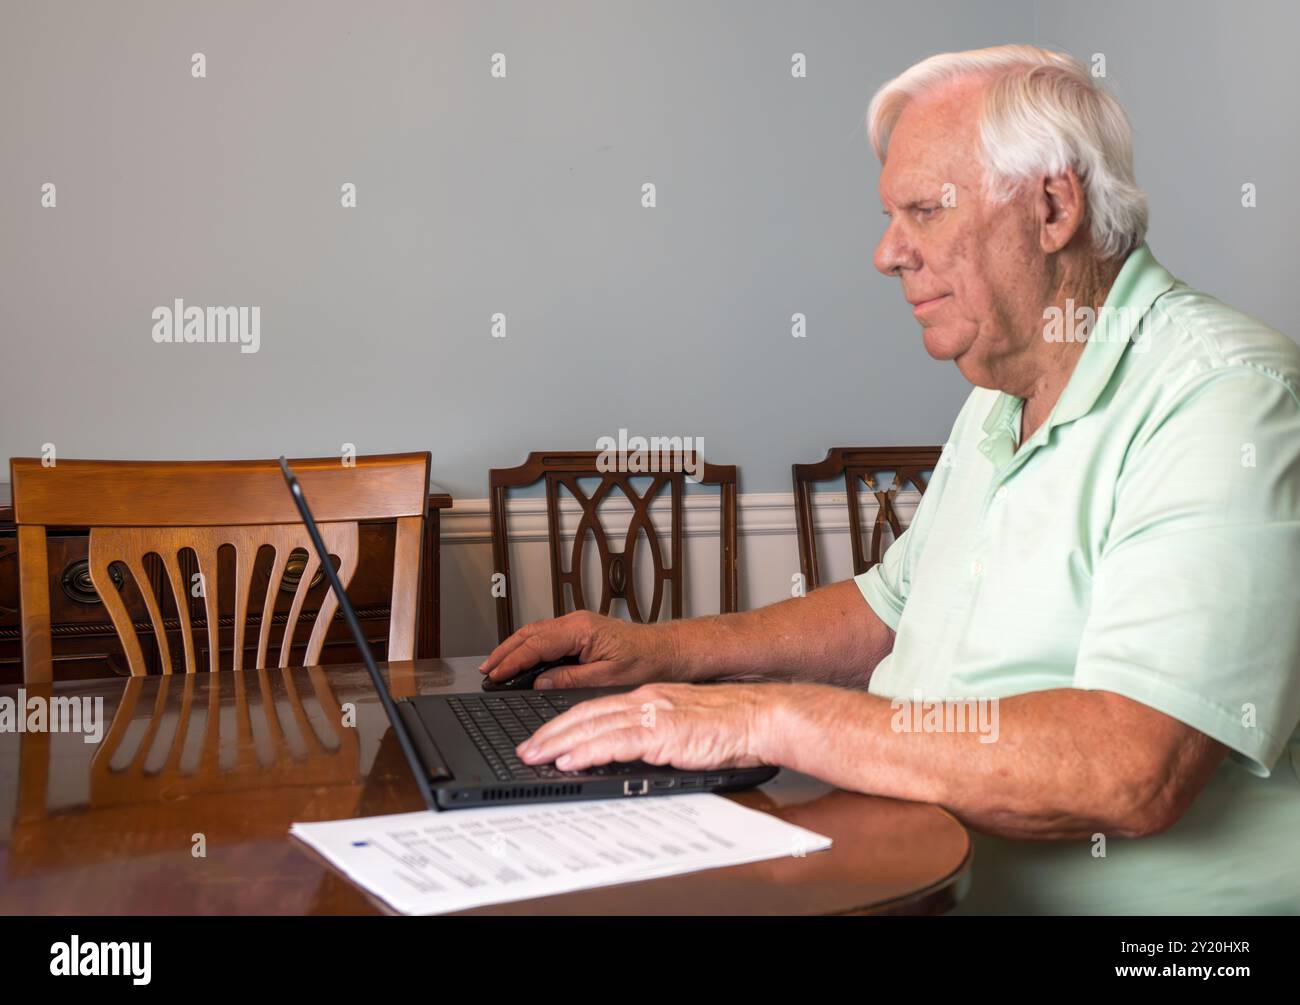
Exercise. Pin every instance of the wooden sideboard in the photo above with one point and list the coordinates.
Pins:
(85, 644)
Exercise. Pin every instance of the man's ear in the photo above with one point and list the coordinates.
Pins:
(1061, 207)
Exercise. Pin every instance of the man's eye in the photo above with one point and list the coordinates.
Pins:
(925, 211)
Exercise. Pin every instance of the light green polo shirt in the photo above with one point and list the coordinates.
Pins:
(1145, 540)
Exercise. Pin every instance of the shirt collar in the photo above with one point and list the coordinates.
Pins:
(1140, 282)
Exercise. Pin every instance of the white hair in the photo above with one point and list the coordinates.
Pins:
(1042, 113)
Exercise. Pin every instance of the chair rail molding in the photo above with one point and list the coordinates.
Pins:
(761, 513)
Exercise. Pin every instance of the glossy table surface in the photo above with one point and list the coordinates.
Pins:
(183, 806)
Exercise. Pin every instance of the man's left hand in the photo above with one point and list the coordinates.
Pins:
(691, 726)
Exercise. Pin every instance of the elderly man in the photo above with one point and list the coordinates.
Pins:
(1109, 548)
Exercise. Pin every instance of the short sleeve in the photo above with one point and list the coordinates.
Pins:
(884, 586)
(1196, 594)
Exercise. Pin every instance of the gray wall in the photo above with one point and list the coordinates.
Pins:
(478, 195)
(1211, 89)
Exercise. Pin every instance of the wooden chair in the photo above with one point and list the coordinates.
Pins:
(143, 515)
(860, 467)
(561, 472)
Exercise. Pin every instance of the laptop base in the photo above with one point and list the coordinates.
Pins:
(465, 768)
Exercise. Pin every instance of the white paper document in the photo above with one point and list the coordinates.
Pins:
(430, 863)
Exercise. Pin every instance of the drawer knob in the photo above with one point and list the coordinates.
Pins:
(293, 570)
(77, 586)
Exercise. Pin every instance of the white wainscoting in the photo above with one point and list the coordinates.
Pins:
(769, 554)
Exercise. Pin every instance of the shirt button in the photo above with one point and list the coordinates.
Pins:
(1001, 493)
(976, 567)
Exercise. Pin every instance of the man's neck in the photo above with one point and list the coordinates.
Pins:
(1086, 286)
(1042, 396)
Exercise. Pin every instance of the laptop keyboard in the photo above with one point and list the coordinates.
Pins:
(497, 723)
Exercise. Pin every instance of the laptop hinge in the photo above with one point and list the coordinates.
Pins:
(435, 764)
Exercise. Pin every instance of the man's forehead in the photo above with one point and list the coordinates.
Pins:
(934, 141)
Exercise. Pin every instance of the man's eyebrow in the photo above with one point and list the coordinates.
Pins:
(914, 204)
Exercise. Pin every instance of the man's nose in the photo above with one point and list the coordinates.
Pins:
(894, 253)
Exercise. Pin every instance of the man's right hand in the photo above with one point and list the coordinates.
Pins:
(612, 652)
(831, 636)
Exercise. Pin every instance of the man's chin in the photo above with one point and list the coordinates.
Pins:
(941, 343)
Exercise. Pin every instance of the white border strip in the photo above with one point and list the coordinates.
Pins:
(469, 520)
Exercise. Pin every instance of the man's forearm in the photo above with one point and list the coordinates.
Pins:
(831, 636)
(1065, 763)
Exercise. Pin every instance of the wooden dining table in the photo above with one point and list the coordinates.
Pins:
(175, 794)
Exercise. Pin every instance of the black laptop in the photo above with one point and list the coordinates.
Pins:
(461, 747)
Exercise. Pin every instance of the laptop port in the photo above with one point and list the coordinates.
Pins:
(690, 783)
(663, 783)
(635, 788)
(713, 780)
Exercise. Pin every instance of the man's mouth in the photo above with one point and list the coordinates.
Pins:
(922, 305)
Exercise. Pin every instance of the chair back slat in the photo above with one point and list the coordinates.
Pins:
(278, 564)
(172, 566)
(117, 613)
